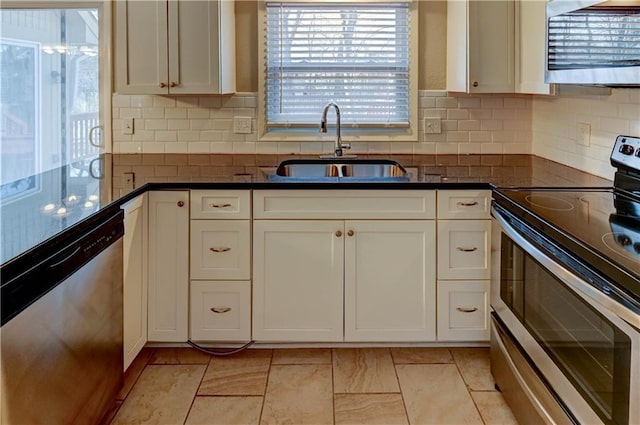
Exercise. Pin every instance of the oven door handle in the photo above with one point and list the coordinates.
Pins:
(587, 292)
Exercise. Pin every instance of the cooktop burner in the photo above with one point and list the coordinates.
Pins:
(601, 220)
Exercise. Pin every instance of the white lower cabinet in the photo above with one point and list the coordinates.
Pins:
(220, 311)
(134, 278)
(297, 280)
(464, 264)
(168, 315)
(463, 310)
(390, 281)
(220, 266)
(350, 276)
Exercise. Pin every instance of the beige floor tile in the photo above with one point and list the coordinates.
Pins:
(243, 373)
(475, 367)
(493, 409)
(133, 372)
(302, 356)
(179, 356)
(436, 394)
(364, 370)
(369, 409)
(162, 395)
(225, 411)
(298, 394)
(421, 355)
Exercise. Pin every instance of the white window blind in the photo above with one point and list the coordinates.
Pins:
(354, 54)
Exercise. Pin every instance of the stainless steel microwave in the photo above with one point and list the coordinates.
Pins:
(593, 42)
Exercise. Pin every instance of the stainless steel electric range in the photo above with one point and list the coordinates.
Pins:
(566, 298)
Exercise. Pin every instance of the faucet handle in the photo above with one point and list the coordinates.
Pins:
(323, 126)
(346, 146)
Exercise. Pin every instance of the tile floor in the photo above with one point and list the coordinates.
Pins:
(312, 386)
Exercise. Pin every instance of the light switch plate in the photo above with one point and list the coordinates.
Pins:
(127, 127)
(432, 126)
(242, 125)
(584, 134)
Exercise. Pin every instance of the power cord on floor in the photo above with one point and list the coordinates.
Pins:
(220, 353)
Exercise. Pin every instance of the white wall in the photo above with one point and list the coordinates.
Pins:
(555, 121)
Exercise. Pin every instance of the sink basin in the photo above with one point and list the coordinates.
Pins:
(340, 169)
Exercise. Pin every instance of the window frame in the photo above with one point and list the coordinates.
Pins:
(374, 134)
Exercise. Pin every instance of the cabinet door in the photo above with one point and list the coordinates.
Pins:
(141, 55)
(220, 249)
(390, 282)
(199, 40)
(464, 249)
(220, 310)
(135, 278)
(530, 47)
(168, 266)
(491, 46)
(298, 280)
(463, 310)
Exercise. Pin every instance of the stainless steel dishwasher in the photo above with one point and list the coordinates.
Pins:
(62, 354)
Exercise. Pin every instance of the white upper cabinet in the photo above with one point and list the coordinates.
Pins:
(481, 46)
(174, 47)
(530, 47)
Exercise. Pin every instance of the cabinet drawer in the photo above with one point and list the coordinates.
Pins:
(220, 249)
(463, 310)
(464, 249)
(464, 204)
(344, 204)
(220, 311)
(220, 204)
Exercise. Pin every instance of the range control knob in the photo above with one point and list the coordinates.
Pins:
(626, 149)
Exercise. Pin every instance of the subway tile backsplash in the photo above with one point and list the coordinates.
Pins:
(555, 127)
(470, 124)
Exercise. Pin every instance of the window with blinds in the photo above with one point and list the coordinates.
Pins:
(354, 54)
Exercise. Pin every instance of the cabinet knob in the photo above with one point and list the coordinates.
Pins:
(475, 84)
(221, 309)
(467, 204)
(173, 84)
(181, 204)
(462, 249)
(220, 249)
(338, 233)
(466, 309)
(350, 233)
(163, 85)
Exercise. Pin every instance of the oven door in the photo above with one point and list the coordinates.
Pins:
(572, 333)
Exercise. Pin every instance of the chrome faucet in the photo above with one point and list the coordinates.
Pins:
(339, 146)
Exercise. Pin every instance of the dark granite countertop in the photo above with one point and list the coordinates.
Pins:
(32, 217)
(39, 214)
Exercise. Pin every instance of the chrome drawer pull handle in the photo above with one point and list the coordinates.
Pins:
(221, 309)
(220, 249)
(219, 205)
(467, 310)
(467, 204)
(461, 249)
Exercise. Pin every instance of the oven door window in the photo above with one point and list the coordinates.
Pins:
(593, 354)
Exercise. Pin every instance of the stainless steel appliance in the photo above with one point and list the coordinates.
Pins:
(565, 297)
(593, 42)
(61, 335)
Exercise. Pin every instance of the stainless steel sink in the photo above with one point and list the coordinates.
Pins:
(340, 169)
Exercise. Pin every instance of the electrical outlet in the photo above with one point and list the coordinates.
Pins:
(127, 127)
(584, 134)
(129, 181)
(242, 125)
(432, 126)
